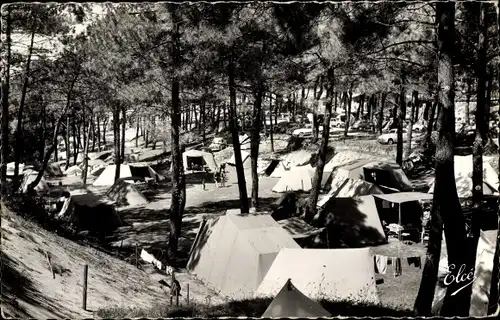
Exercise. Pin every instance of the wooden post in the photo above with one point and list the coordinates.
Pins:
(176, 299)
(84, 300)
(136, 255)
(187, 294)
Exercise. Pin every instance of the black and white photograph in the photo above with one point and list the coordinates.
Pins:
(255, 159)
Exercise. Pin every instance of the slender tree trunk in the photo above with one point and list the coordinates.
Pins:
(85, 156)
(4, 146)
(124, 126)
(104, 125)
(215, 125)
(75, 144)
(203, 119)
(93, 133)
(446, 209)
(489, 88)
(381, 112)
(18, 148)
(116, 133)
(470, 83)
(153, 131)
(318, 175)
(480, 114)
(98, 135)
(277, 107)
(67, 142)
(254, 144)
(302, 102)
(44, 132)
(400, 122)
(348, 113)
(178, 202)
(414, 106)
(271, 135)
(48, 154)
(137, 132)
(242, 186)
(318, 92)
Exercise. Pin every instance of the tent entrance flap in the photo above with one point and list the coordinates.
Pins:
(195, 163)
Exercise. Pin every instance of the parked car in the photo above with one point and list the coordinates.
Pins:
(337, 123)
(391, 137)
(218, 144)
(361, 125)
(306, 131)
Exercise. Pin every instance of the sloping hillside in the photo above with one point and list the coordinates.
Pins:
(29, 289)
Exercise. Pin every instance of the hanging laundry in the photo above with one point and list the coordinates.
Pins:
(416, 261)
(380, 264)
(397, 266)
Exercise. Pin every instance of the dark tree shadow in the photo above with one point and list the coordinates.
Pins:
(17, 286)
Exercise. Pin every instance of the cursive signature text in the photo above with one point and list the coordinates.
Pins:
(459, 278)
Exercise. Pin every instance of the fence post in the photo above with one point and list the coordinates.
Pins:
(177, 298)
(84, 300)
(136, 255)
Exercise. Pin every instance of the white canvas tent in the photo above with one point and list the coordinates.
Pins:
(28, 177)
(107, 177)
(280, 170)
(297, 178)
(73, 171)
(347, 187)
(332, 274)
(192, 158)
(298, 158)
(232, 253)
(463, 177)
(343, 158)
(290, 302)
(244, 156)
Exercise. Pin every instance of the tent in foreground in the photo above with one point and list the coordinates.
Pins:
(196, 160)
(331, 274)
(232, 253)
(90, 212)
(290, 302)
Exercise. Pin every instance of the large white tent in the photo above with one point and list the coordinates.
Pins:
(232, 253)
(192, 158)
(296, 179)
(331, 274)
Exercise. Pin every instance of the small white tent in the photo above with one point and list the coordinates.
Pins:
(28, 177)
(107, 177)
(195, 158)
(332, 274)
(244, 156)
(297, 178)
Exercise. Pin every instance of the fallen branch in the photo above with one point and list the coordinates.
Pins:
(50, 265)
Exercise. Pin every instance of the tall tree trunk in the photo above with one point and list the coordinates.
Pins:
(489, 88)
(98, 135)
(68, 151)
(137, 121)
(446, 209)
(215, 125)
(318, 175)
(75, 143)
(178, 201)
(277, 107)
(348, 113)
(430, 122)
(93, 133)
(116, 133)
(302, 102)
(153, 131)
(254, 144)
(318, 92)
(4, 146)
(203, 119)
(271, 135)
(48, 154)
(480, 114)
(18, 148)
(104, 126)
(124, 126)
(44, 131)
(242, 186)
(470, 83)
(380, 119)
(401, 122)
(414, 106)
(85, 155)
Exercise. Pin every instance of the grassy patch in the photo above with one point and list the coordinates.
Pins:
(244, 308)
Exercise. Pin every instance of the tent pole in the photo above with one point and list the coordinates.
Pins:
(399, 230)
